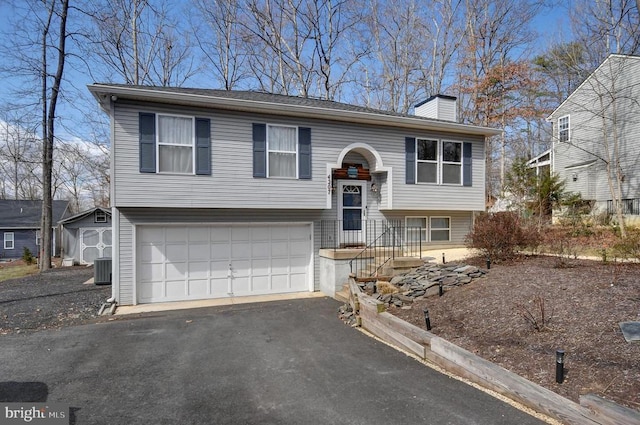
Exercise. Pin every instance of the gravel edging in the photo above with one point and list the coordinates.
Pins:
(50, 300)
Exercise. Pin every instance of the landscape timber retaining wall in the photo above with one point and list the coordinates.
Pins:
(592, 410)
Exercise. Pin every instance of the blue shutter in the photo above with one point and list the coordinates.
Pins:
(304, 153)
(147, 129)
(203, 146)
(466, 164)
(259, 150)
(410, 159)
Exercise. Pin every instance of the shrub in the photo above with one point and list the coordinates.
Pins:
(628, 247)
(27, 256)
(501, 235)
(535, 313)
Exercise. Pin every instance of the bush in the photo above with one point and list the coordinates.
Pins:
(628, 247)
(27, 256)
(501, 235)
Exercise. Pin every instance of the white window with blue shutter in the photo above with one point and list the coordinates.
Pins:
(281, 151)
(434, 161)
(175, 144)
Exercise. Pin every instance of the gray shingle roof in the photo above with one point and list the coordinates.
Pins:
(258, 96)
(26, 214)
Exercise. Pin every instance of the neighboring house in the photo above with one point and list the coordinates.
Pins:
(596, 133)
(86, 236)
(20, 227)
(224, 193)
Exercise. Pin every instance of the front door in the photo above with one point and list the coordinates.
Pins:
(352, 211)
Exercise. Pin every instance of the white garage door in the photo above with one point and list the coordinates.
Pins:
(198, 262)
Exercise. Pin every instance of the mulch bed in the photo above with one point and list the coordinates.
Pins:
(583, 302)
(51, 299)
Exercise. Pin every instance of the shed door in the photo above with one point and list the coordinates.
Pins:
(208, 261)
(94, 243)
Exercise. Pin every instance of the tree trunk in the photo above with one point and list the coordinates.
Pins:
(49, 132)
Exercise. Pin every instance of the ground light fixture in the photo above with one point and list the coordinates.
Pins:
(440, 289)
(427, 319)
(559, 366)
(488, 263)
(443, 259)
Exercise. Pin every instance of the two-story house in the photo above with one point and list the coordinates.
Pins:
(596, 142)
(228, 193)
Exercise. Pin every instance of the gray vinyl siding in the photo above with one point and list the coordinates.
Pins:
(461, 223)
(139, 216)
(588, 129)
(439, 196)
(232, 185)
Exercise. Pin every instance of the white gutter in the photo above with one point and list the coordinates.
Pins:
(103, 94)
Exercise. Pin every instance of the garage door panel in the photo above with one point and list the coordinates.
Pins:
(260, 233)
(280, 282)
(175, 289)
(260, 249)
(176, 234)
(216, 261)
(260, 267)
(152, 291)
(197, 234)
(152, 272)
(299, 247)
(198, 288)
(199, 252)
(220, 252)
(240, 233)
(240, 250)
(220, 234)
(175, 271)
(198, 269)
(280, 248)
(298, 281)
(260, 284)
(219, 269)
(176, 252)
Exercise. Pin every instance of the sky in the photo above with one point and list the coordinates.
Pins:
(551, 24)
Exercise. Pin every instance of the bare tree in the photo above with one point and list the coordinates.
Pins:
(139, 42)
(219, 36)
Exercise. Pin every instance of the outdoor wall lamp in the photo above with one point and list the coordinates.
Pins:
(574, 177)
(374, 188)
(559, 366)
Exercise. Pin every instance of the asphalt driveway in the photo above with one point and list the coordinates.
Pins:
(287, 362)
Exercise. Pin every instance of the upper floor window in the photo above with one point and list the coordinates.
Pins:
(427, 160)
(451, 162)
(439, 161)
(282, 146)
(563, 129)
(175, 144)
(100, 216)
(9, 241)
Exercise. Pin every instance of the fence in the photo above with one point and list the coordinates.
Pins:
(629, 207)
(378, 240)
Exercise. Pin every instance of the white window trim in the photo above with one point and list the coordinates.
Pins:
(100, 217)
(439, 228)
(429, 161)
(193, 144)
(296, 152)
(422, 229)
(8, 240)
(568, 130)
(440, 161)
(38, 237)
(442, 142)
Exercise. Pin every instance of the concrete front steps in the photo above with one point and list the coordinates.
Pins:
(392, 268)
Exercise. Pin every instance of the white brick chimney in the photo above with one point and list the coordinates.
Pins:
(439, 107)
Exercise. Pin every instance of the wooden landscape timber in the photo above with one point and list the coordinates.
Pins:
(460, 362)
